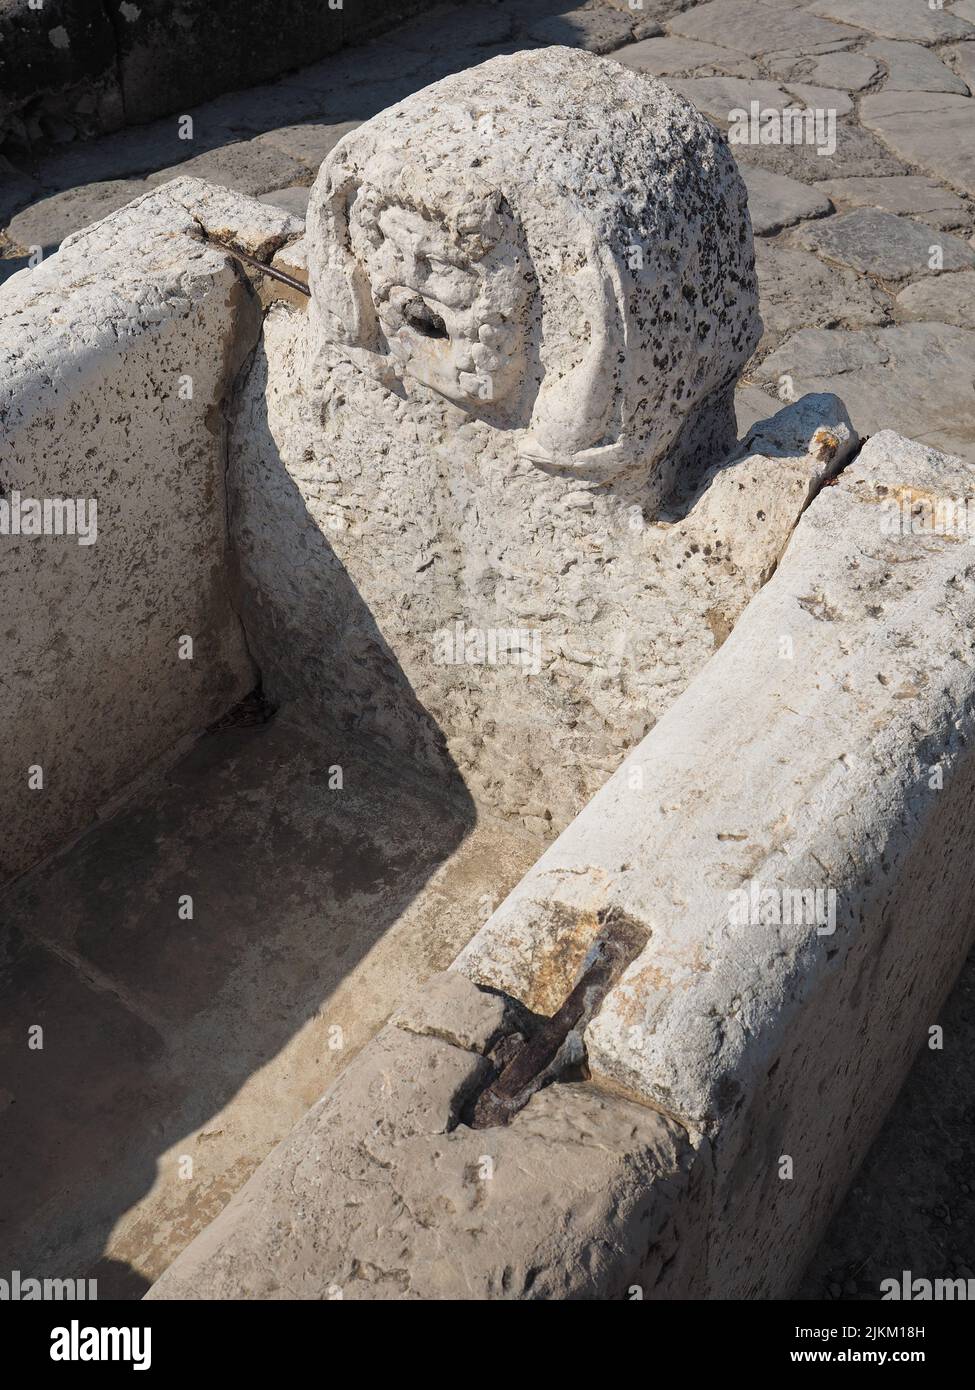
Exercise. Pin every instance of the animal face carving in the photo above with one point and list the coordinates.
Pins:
(449, 308)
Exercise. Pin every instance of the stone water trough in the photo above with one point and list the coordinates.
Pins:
(455, 728)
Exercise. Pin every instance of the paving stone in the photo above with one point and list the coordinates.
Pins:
(47, 222)
(912, 194)
(895, 19)
(849, 72)
(669, 57)
(821, 98)
(293, 200)
(915, 378)
(942, 299)
(264, 108)
(935, 130)
(136, 151)
(593, 27)
(964, 9)
(307, 143)
(962, 59)
(775, 201)
(719, 96)
(857, 152)
(883, 244)
(754, 27)
(249, 166)
(913, 68)
(466, 27)
(797, 290)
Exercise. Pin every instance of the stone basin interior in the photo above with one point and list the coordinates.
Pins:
(315, 911)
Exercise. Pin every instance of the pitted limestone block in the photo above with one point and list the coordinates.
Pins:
(450, 1007)
(494, 239)
(795, 836)
(532, 292)
(379, 1194)
(116, 357)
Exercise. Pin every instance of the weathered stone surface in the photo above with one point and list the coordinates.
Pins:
(335, 415)
(946, 299)
(820, 98)
(961, 58)
(897, 19)
(128, 153)
(850, 72)
(247, 166)
(464, 29)
(99, 340)
(910, 194)
(930, 129)
(581, 1196)
(293, 199)
(595, 27)
(673, 57)
(913, 68)
(857, 152)
(736, 1021)
(918, 376)
(449, 1007)
(755, 27)
(47, 222)
(720, 96)
(775, 201)
(308, 143)
(882, 244)
(797, 290)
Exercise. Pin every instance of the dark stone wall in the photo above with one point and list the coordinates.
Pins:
(76, 68)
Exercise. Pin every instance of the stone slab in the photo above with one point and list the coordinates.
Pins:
(49, 220)
(932, 130)
(308, 143)
(100, 342)
(595, 27)
(775, 201)
(796, 290)
(754, 28)
(912, 195)
(857, 153)
(580, 1197)
(961, 59)
(913, 68)
(897, 19)
(917, 376)
(945, 299)
(246, 166)
(849, 72)
(885, 245)
(675, 57)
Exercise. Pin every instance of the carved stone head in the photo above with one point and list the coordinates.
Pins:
(555, 243)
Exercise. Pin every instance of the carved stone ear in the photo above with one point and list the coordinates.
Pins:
(579, 415)
(340, 289)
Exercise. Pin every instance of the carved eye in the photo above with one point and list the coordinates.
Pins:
(422, 319)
